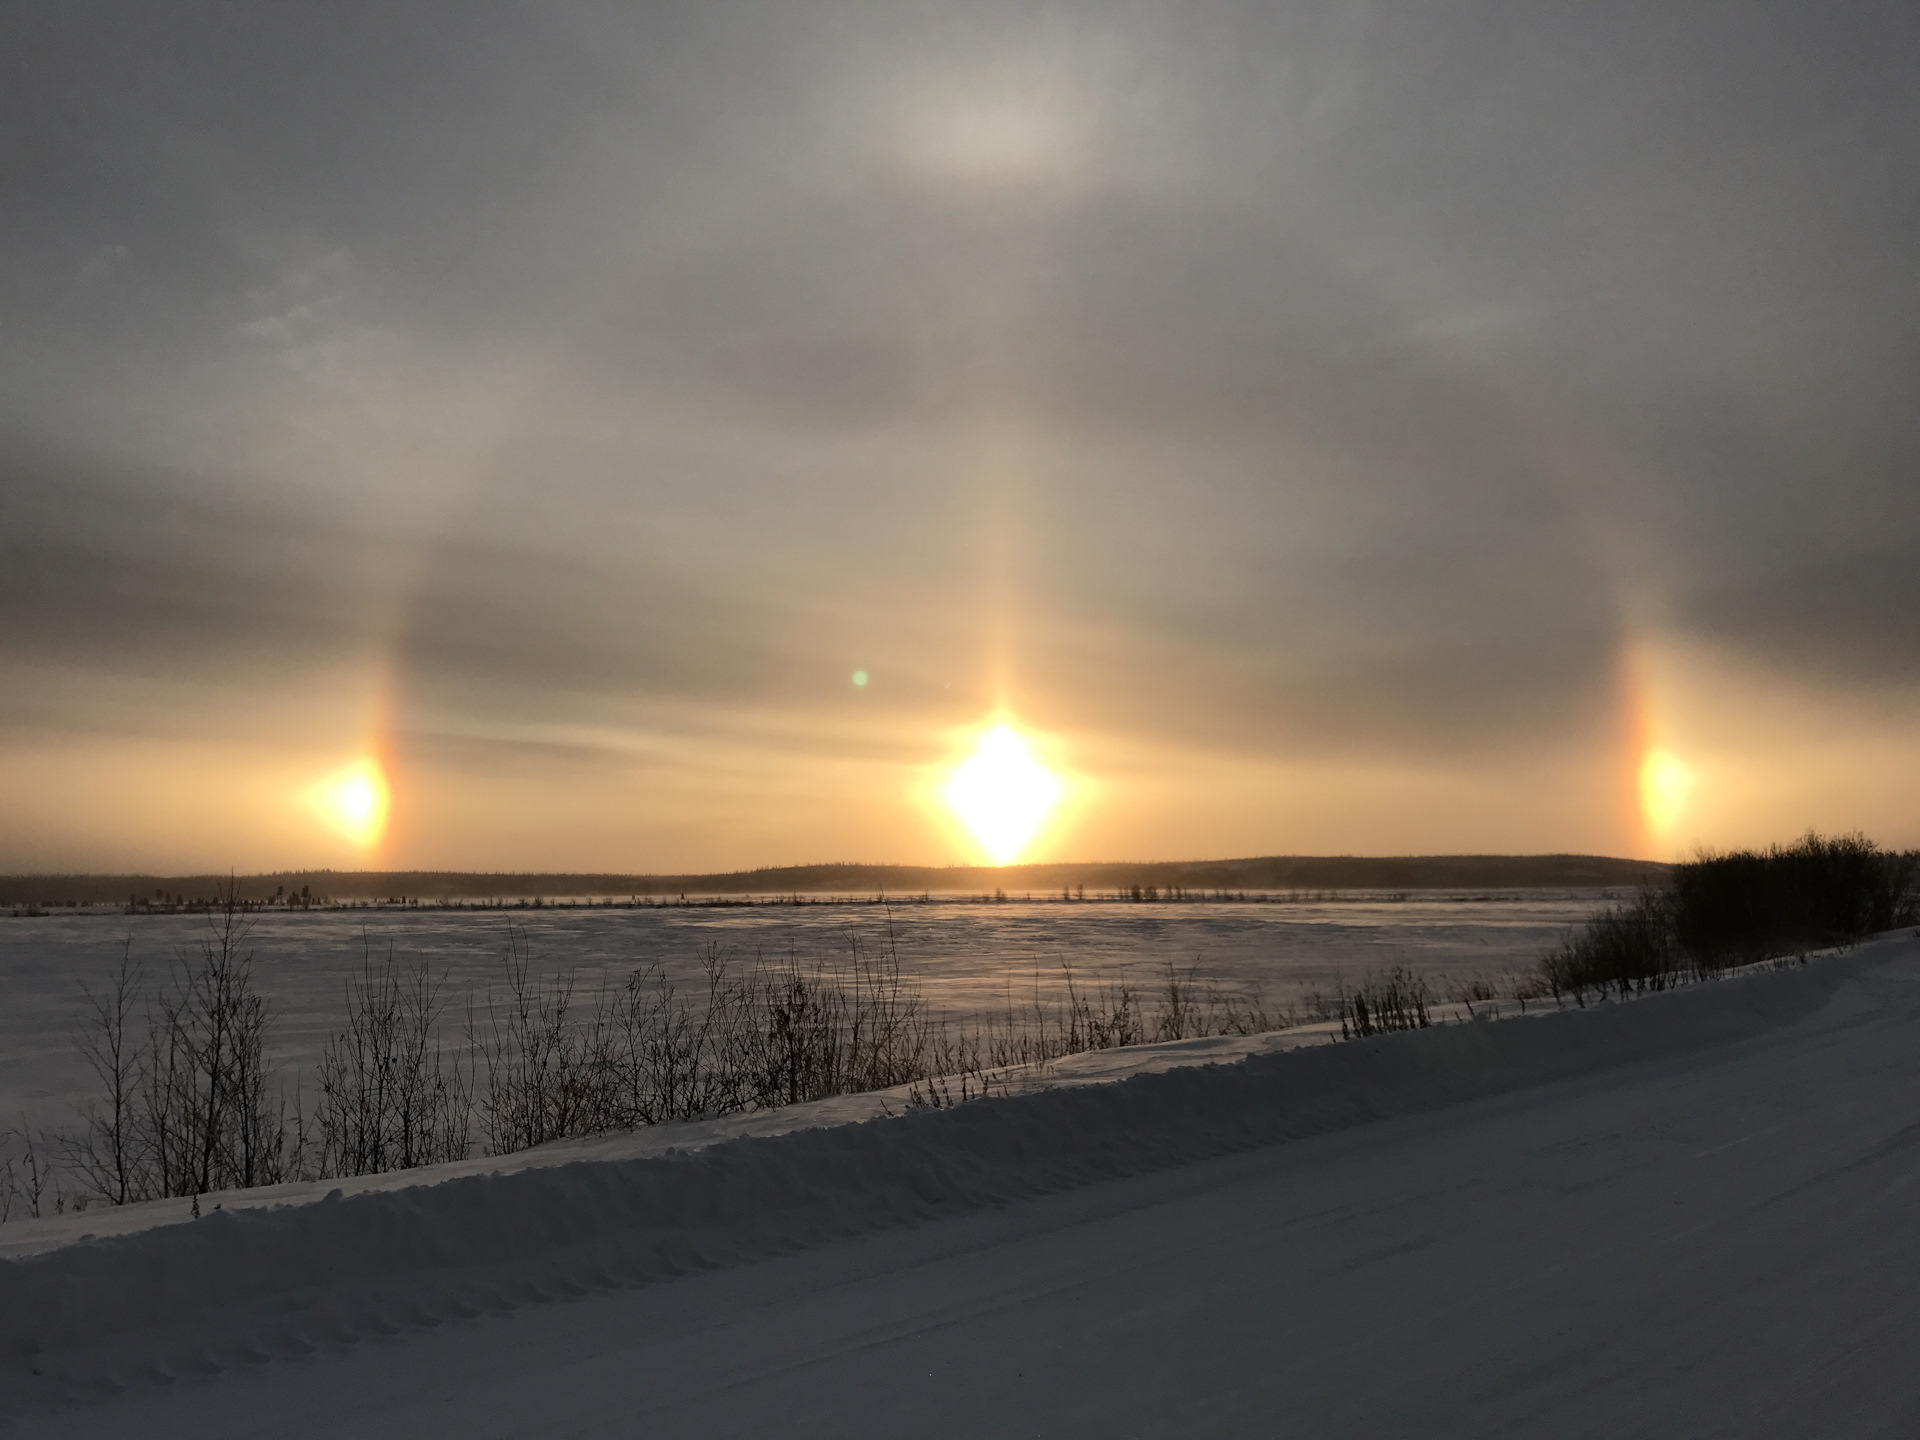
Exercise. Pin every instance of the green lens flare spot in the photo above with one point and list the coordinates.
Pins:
(860, 678)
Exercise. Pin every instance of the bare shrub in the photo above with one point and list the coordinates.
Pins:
(212, 1121)
(1189, 1010)
(25, 1176)
(107, 1152)
(1624, 948)
(1395, 999)
(947, 1089)
(1103, 1019)
(536, 1061)
(1247, 1013)
(754, 1038)
(191, 1105)
(390, 1099)
(660, 1051)
(1181, 1007)
(804, 1034)
(1471, 991)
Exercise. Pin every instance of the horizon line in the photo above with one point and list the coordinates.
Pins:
(1560, 869)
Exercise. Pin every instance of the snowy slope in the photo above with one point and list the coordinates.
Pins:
(1693, 1213)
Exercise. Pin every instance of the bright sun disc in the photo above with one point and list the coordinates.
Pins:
(1665, 785)
(354, 802)
(1002, 793)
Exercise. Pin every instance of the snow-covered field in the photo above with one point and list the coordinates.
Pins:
(964, 956)
(1693, 1214)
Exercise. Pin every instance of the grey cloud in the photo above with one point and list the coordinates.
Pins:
(1849, 619)
(1366, 363)
(134, 567)
(173, 576)
(519, 627)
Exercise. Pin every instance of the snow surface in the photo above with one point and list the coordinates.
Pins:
(1689, 1215)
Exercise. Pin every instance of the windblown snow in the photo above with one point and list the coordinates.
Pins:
(1690, 1214)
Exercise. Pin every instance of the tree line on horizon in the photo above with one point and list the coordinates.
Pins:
(1277, 872)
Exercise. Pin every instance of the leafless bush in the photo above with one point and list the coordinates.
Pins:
(1189, 1010)
(756, 1037)
(539, 1081)
(107, 1152)
(799, 1034)
(390, 1099)
(211, 1118)
(1181, 1007)
(765, 1034)
(1476, 990)
(191, 1105)
(1624, 948)
(949, 1088)
(25, 1176)
(1106, 1018)
(662, 1052)
(1396, 999)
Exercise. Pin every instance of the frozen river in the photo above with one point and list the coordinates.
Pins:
(965, 956)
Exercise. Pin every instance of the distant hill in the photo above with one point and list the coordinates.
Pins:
(1271, 872)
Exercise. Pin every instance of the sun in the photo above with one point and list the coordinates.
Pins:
(1666, 783)
(1002, 794)
(354, 802)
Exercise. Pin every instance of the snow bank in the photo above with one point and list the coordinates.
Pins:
(247, 1284)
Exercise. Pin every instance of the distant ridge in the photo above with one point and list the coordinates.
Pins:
(1271, 872)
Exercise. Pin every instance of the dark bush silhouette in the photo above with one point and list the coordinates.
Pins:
(1746, 905)
(1722, 910)
(1397, 999)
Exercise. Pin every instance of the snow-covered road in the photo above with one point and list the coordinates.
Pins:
(1719, 1237)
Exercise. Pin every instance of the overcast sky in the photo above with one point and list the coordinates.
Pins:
(1341, 427)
